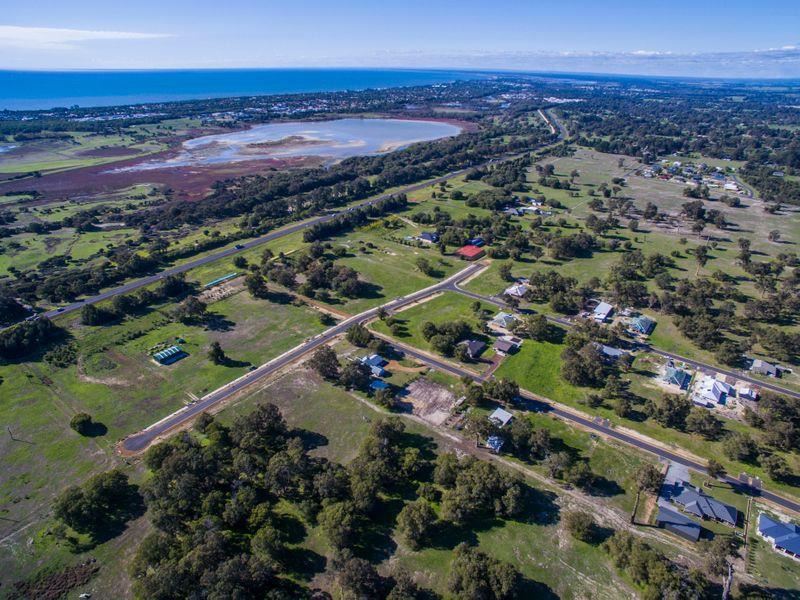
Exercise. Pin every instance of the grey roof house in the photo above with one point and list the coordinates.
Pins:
(784, 537)
(694, 501)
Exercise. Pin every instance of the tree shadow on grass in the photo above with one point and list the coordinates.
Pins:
(602, 486)
(302, 563)
(310, 439)
(130, 506)
(292, 527)
(535, 589)
(216, 322)
(277, 297)
(94, 429)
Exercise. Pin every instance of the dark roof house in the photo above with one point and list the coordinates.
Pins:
(429, 236)
(694, 501)
(678, 524)
(374, 360)
(474, 348)
(505, 346)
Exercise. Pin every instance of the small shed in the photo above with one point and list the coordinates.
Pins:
(501, 417)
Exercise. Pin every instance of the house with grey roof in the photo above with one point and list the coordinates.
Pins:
(503, 321)
(677, 377)
(474, 348)
(602, 312)
(762, 367)
(784, 537)
(692, 500)
(501, 417)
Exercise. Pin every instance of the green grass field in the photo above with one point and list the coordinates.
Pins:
(445, 307)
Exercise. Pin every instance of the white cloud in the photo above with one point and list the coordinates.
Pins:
(50, 38)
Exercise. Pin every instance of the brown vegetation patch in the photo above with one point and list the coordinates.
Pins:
(55, 585)
(430, 400)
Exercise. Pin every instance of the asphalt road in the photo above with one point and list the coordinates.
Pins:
(140, 441)
(696, 364)
(534, 404)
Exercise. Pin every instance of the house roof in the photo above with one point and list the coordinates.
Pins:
(477, 241)
(676, 377)
(603, 310)
(470, 251)
(504, 345)
(474, 347)
(764, 367)
(430, 236)
(374, 360)
(644, 324)
(610, 351)
(703, 505)
(785, 536)
(678, 523)
(504, 319)
(501, 417)
(379, 384)
(378, 371)
(518, 290)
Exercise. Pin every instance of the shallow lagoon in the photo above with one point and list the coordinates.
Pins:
(334, 140)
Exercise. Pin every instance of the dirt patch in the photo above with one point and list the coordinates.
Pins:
(430, 401)
(396, 366)
(55, 585)
(189, 183)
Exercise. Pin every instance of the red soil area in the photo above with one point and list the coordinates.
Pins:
(189, 183)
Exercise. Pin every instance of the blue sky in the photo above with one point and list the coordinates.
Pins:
(730, 38)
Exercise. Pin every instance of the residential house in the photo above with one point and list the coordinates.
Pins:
(610, 353)
(374, 360)
(643, 325)
(502, 321)
(677, 377)
(505, 347)
(517, 290)
(762, 367)
(696, 502)
(602, 312)
(501, 417)
(784, 537)
(429, 236)
(677, 523)
(474, 348)
(470, 252)
(716, 391)
(476, 241)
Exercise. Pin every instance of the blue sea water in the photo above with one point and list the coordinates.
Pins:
(34, 90)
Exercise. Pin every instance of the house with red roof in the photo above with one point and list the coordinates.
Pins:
(470, 252)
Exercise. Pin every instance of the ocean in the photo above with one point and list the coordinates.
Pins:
(41, 90)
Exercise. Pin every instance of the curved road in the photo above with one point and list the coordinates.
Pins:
(140, 441)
